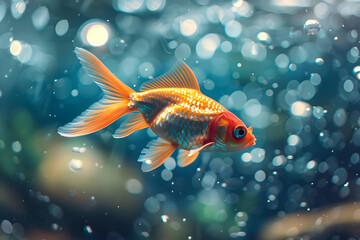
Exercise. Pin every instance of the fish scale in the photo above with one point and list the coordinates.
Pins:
(179, 115)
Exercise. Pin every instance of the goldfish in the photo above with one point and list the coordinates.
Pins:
(172, 105)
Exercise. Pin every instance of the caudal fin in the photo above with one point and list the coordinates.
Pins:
(111, 107)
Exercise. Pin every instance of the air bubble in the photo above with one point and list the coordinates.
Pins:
(312, 27)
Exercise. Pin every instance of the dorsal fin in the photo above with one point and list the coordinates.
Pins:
(180, 76)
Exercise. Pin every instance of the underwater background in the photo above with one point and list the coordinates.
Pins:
(289, 68)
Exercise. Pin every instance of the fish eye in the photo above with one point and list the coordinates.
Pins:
(239, 132)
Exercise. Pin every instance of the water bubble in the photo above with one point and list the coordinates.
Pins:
(315, 79)
(260, 176)
(348, 85)
(293, 140)
(164, 218)
(170, 163)
(340, 117)
(55, 226)
(75, 165)
(188, 27)
(166, 174)
(300, 108)
(88, 229)
(312, 27)
(254, 51)
(282, 61)
(206, 46)
(134, 186)
(152, 205)
(263, 36)
(233, 29)
(79, 149)
(311, 164)
(18, 8)
(279, 160)
(258, 155)
(319, 61)
(16, 146)
(155, 5)
(62, 27)
(246, 157)
(40, 17)
(356, 72)
(6, 226)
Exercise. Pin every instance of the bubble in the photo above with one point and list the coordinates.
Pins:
(152, 205)
(88, 229)
(183, 51)
(94, 33)
(16, 146)
(263, 36)
(355, 158)
(321, 10)
(146, 69)
(62, 27)
(40, 17)
(293, 140)
(318, 112)
(134, 186)
(319, 61)
(74, 92)
(239, 98)
(315, 79)
(166, 174)
(233, 29)
(311, 164)
(78, 149)
(282, 61)
(246, 157)
(188, 27)
(209, 84)
(165, 218)
(340, 117)
(17, 8)
(348, 86)
(7, 227)
(258, 155)
(208, 180)
(356, 72)
(226, 46)
(129, 6)
(15, 48)
(170, 164)
(279, 160)
(312, 27)
(260, 176)
(55, 211)
(155, 5)
(206, 46)
(253, 108)
(300, 108)
(254, 51)
(339, 177)
(55, 226)
(75, 165)
(3, 8)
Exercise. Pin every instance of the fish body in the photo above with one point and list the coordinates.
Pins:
(179, 115)
(171, 105)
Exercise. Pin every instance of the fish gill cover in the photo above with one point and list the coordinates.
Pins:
(289, 68)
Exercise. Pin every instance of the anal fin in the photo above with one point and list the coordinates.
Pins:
(183, 158)
(156, 153)
(134, 122)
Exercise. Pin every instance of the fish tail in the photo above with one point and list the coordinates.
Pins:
(111, 107)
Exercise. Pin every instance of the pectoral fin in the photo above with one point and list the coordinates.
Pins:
(197, 150)
(156, 153)
(183, 158)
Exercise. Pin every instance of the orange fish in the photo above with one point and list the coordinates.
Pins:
(171, 105)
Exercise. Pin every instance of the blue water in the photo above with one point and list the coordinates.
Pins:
(288, 68)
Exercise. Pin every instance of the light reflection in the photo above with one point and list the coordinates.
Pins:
(94, 33)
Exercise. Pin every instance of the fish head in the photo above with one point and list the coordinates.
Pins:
(230, 133)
